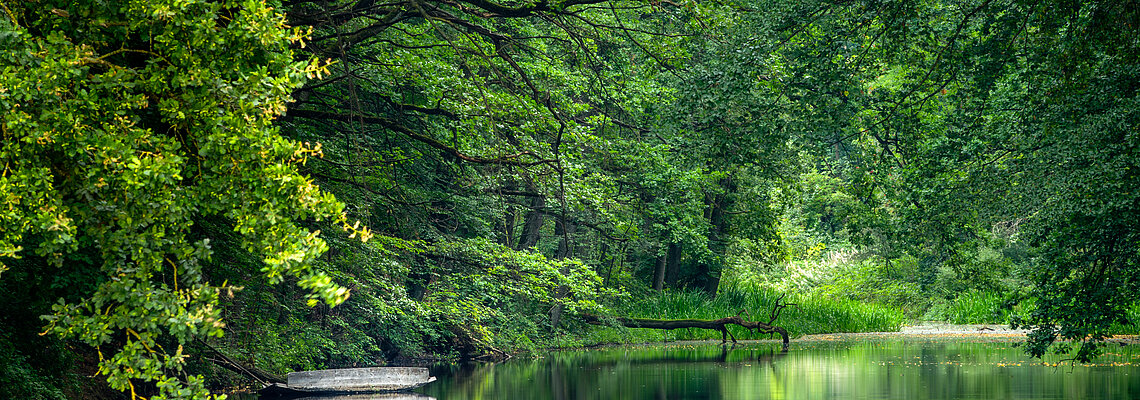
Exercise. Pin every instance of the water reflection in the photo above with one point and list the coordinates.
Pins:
(877, 369)
(372, 396)
(376, 396)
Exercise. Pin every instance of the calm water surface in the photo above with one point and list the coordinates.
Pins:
(851, 369)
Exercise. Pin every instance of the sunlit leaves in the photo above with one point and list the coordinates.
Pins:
(118, 136)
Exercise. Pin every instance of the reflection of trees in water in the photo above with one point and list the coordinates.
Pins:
(667, 374)
(770, 359)
(834, 369)
(558, 385)
(635, 372)
(373, 396)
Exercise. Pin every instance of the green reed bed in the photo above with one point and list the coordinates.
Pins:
(1133, 325)
(977, 307)
(810, 314)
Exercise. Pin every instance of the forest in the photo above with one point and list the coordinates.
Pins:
(301, 184)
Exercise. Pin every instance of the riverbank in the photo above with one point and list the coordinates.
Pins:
(932, 330)
(937, 330)
(922, 331)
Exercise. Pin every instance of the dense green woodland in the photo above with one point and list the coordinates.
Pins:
(309, 184)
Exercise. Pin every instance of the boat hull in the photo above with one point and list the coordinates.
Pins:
(349, 381)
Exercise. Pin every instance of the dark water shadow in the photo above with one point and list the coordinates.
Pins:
(374, 396)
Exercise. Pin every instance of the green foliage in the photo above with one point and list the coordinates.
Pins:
(117, 139)
(477, 298)
(946, 148)
(525, 161)
(497, 296)
(881, 281)
(985, 117)
(20, 378)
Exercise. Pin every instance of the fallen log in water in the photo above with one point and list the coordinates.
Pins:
(714, 324)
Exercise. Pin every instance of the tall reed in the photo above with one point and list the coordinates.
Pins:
(976, 307)
(1133, 325)
(809, 314)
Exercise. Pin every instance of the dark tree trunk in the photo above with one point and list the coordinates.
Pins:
(508, 229)
(506, 225)
(659, 274)
(712, 282)
(565, 250)
(532, 226)
(673, 265)
(565, 232)
(616, 260)
(717, 214)
(607, 260)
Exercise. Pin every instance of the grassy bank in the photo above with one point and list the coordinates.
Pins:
(811, 314)
(980, 307)
(975, 307)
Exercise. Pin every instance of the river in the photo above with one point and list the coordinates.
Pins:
(937, 364)
(839, 367)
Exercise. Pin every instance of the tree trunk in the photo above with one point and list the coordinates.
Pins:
(712, 282)
(659, 274)
(506, 226)
(532, 226)
(607, 260)
(717, 214)
(673, 265)
(565, 250)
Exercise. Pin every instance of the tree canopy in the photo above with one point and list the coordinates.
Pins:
(516, 162)
(124, 125)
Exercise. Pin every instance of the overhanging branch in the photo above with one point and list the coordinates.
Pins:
(512, 159)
